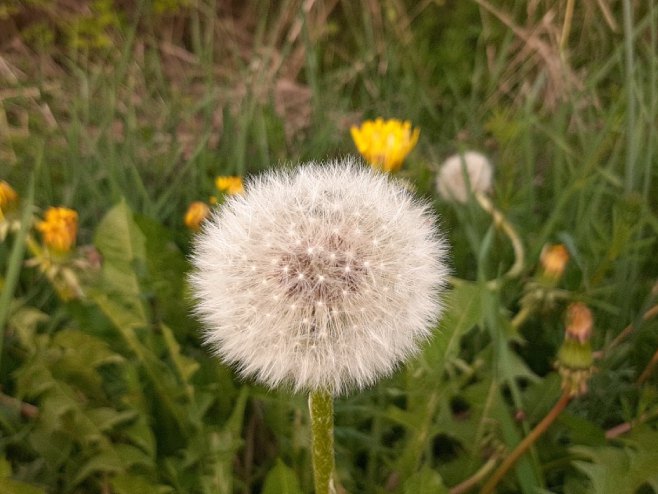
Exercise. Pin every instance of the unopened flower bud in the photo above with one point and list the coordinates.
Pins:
(575, 366)
(579, 322)
(575, 359)
(554, 259)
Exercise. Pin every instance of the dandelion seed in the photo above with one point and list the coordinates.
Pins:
(333, 326)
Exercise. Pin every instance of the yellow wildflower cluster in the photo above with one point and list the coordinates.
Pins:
(385, 143)
(59, 229)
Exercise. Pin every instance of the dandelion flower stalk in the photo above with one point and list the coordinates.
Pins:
(321, 410)
(501, 222)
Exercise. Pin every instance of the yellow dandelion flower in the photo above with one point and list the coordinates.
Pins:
(8, 197)
(554, 260)
(59, 229)
(385, 143)
(230, 185)
(196, 213)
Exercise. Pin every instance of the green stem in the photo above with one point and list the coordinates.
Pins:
(321, 409)
(474, 479)
(15, 263)
(501, 222)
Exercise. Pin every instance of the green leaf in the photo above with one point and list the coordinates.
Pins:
(425, 481)
(166, 280)
(14, 487)
(108, 418)
(185, 367)
(281, 479)
(136, 484)
(221, 446)
(80, 356)
(122, 245)
(15, 263)
(622, 470)
(10, 486)
(113, 460)
(104, 462)
(141, 435)
(24, 321)
(463, 311)
(5, 468)
(53, 446)
(89, 350)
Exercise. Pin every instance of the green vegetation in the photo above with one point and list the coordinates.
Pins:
(127, 111)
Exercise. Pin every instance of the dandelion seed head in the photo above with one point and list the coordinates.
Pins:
(339, 310)
(459, 171)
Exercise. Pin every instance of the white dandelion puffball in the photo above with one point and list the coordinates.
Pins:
(320, 278)
(451, 182)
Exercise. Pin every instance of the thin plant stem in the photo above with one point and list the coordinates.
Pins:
(566, 27)
(474, 479)
(15, 263)
(528, 441)
(625, 427)
(522, 316)
(648, 369)
(649, 314)
(631, 140)
(321, 409)
(501, 222)
(26, 410)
